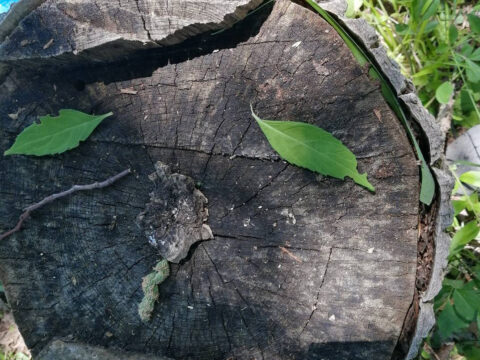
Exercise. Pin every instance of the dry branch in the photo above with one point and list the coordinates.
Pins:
(50, 198)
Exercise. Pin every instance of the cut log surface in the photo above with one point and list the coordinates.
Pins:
(301, 266)
(67, 27)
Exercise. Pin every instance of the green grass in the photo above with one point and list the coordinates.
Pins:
(13, 356)
(437, 44)
(457, 306)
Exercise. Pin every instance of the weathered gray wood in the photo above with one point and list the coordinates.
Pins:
(58, 30)
(17, 12)
(435, 139)
(61, 350)
(301, 266)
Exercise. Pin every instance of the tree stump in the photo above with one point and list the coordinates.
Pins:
(300, 266)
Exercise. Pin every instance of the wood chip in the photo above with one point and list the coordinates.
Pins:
(128, 91)
(48, 44)
(14, 116)
(378, 114)
(289, 253)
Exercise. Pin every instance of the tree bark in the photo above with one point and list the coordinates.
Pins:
(439, 216)
(300, 266)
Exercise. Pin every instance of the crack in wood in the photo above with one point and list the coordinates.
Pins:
(314, 308)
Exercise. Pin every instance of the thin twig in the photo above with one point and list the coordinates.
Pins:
(49, 199)
(431, 351)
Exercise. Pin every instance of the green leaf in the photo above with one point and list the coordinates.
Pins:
(441, 298)
(401, 29)
(466, 102)
(452, 34)
(473, 204)
(468, 202)
(471, 178)
(466, 303)
(444, 92)
(416, 9)
(473, 71)
(474, 22)
(21, 356)
(476, 270)
(430, 27)
(449, 322)
(427, 189)
(470, 350)
(55, 135)
(425, 355)
(466, 51)
(312, 148)
(463, 237)
(475, 56)
(459, 205)
(429, 9)
(465, 162)
(456, 284)
(471, 120)
(352, 7)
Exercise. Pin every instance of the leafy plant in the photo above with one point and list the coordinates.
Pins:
(312, 148)
(427, 189)
(457, 305)
(437, 44)
(55, 135)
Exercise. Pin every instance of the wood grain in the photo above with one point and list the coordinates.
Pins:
(63, 30)
(75, 270)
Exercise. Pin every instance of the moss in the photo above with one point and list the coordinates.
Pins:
(150, 284)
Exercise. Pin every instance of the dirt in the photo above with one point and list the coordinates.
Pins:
(11, 341)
